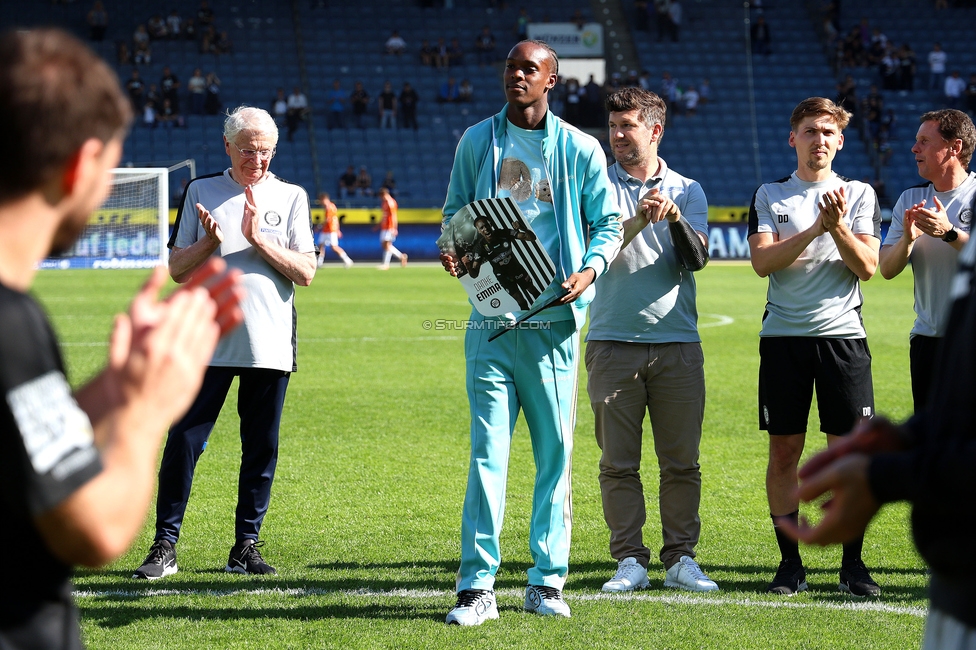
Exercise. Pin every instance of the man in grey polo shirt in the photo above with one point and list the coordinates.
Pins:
(643, 352)
(261, 225)
(815, 235)
(929, 226)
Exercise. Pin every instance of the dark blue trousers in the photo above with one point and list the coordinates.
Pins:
(260, 400)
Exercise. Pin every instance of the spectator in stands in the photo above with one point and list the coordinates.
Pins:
(761, 38)
(704, 91)
(855, 55)
(465, 91)
(663, 20)
(522, 21)
(442, 58)
(197, 87)
(578, 19)
(337, 98)
(449, 92)
(971, 96)
(208, 40)
(364, 182)
(189, 30)
(174, 24)
(427, 53)
(674, 20)
(954, 89)
(890, 69)
(557, 97)
(152, 95)
(149, 115)
(97, 21)
(205, 15)
(644, 80)
(387, 101)
(640, 16)
(279, 107)
(847, 95)
(669, 89)
(937, 66)
(157, 27)
(455, 53)
(395, 44)
(360, 103)
(142, 51)
(136, 89)
(169, 115)
(906, 63)
(223, 44)
(485, 46)
(389, 183)
(877, 47)
(407, 102)
(592, 103)
(297, 111)
(572, 110)
(212, 103)
(169, 85)
(122, 53)
(689, 99)
(347, 183)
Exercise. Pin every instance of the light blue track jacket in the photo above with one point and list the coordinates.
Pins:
(570, 155)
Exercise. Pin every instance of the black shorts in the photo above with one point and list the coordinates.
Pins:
(922, 353)
(790, 367)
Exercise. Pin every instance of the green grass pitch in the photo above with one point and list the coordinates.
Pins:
(365, 512)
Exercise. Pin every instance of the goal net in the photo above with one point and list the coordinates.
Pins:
(131, 228)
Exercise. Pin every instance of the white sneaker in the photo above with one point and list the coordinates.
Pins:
(630, 575)
(348, 263)
(545, 601)
(474, 607)
(686, 574)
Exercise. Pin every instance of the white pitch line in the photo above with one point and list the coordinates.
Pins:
(701, 600)
(720, 320)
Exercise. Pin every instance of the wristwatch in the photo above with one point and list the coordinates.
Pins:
(950, 236)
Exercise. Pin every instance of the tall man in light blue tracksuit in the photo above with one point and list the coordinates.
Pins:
(564, 192)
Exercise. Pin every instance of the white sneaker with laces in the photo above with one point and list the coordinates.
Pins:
(474, 607)
(545, 601)
(630, 575)
(686, 574)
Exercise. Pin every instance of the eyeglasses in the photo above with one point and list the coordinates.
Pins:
(263, 154)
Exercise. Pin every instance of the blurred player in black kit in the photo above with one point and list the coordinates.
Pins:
(496, 249)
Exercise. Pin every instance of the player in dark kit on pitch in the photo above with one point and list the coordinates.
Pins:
(496, 248)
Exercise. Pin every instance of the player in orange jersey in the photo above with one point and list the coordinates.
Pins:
(330, 233)
(388, 230)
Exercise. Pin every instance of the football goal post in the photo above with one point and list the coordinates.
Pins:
(131, 228)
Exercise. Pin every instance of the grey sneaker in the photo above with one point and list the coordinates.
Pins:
(474, 607)
(630, 575)
(545, 601)
(160, 562)
(246, 558)
(686, 574)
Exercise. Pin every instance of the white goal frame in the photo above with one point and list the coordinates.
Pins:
(123, 236)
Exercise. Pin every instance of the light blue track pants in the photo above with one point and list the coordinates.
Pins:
(534, 370)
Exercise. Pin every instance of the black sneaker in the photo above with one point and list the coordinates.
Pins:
(160, 562)
(855, 580)
(246, 558)
(791, 578)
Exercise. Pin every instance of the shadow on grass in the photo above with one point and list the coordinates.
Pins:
(138, 600)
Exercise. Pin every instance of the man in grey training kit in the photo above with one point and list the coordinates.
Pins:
(930, 224)
(815, 235)
(643, 352)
